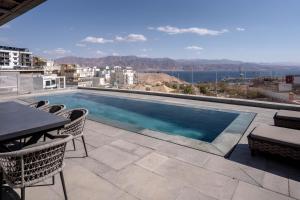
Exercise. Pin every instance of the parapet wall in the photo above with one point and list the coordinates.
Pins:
(243, 102)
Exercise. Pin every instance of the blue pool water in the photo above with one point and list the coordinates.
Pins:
(200, 124)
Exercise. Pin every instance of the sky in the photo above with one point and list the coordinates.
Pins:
(245, 30)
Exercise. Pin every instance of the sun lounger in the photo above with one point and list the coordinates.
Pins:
(276, 141)
(287, 119)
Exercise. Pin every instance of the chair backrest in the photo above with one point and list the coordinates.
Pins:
(39, 104)
(34, 163)
(54, 109)
(77, 117)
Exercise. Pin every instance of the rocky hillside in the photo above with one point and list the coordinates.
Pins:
(167, 64)
(157, 78)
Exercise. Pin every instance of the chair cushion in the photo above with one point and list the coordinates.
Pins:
(54, 109)
(76, 114)
(40, 103)
(284, 136)
(288, 115)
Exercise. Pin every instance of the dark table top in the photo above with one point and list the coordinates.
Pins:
(17, 120)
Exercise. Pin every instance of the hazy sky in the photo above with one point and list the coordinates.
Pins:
(248, 30)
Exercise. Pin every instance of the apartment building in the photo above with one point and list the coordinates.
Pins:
(74, 73)
(121, 77)
(13, 57)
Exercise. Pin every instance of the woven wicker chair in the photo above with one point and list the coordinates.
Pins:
(39, 104)
(75, 127)
(35, 163)
(54, 109)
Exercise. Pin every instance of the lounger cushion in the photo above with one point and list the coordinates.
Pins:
(284, 136)
(288, 115)
(76, 114)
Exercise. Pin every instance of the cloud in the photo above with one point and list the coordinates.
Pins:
(5, 26)
(80, 45)
(96, 40)
(115, 54)
(143, 55)
(194, 47)
(240, 29)
(193, 30)
(150, 28)
(131, 38)
(145, 50)
(101, 53)
(57, 52)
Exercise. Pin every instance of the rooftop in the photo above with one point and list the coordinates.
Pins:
(13, 48)
(10, 9)
(127, 165)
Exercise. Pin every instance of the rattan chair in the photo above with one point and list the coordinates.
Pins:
(35, 163)
(39, 104)
(75, 127)
(54, 109)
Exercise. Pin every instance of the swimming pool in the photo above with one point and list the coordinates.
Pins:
(197, 123)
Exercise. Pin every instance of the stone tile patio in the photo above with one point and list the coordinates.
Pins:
(125, 165)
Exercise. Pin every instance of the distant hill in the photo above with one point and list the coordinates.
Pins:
(167, 64)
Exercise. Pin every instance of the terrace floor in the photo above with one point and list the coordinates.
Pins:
(125, 165)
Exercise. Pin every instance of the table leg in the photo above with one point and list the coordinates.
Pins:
(1, 179)
(34, 139)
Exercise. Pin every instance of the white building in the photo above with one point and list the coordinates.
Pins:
(12, 57)
(122, 77)
(86, 72)
(129, 76)
(51, 67)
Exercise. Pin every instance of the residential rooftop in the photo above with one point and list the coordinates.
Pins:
(127, 165)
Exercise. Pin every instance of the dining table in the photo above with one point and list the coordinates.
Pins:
(19, 121)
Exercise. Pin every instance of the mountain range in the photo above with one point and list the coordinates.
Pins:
(167, 64)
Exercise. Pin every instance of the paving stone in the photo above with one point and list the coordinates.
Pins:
(142, 151)
(143, 184)
(246, 191)
(142, 140)
(130, 147)
(101, 129)
(283, 169)
(79, 152)
(98, 141)
(113, 157)
(90, 164)
(192, 156)
(276, 183)
(229, 168)
(227, 191)
(192, 194)
(41, 193)
(254, 173)
(86, 185)
(126, 196)
(207, 182)
(294, 187)
(124, 145)
(152, 161)
(242, 155)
